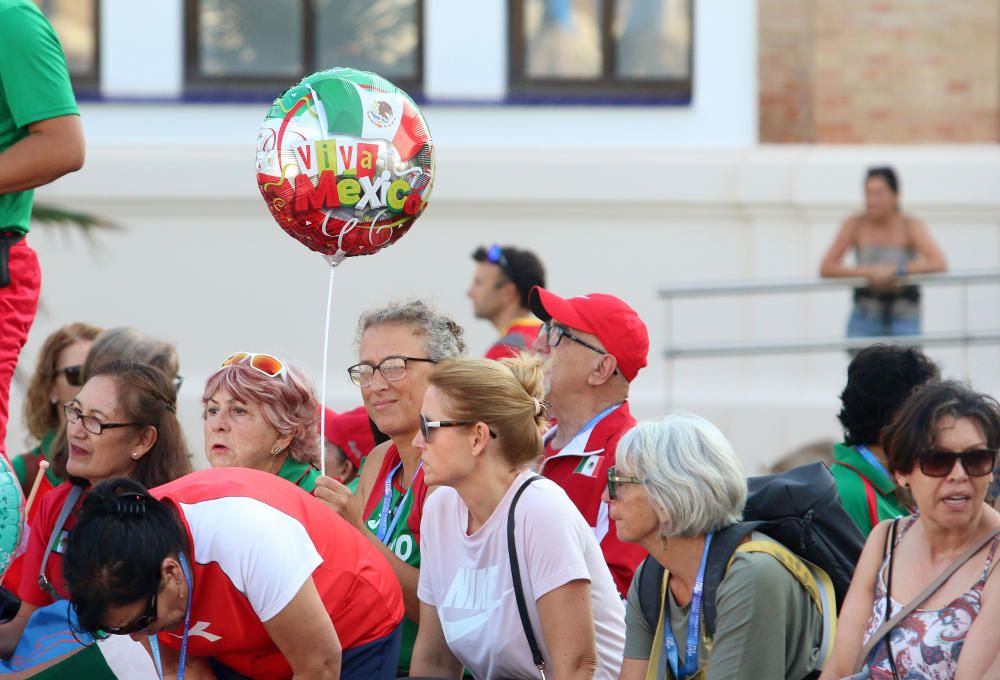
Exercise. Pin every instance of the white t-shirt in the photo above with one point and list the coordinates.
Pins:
(468, 578)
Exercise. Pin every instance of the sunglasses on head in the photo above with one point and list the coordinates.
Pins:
(265, 363)
(496, 256)
(977, 463)
(74, 375)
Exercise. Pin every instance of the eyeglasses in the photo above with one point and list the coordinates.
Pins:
(977, 463)
(392, 368)
(614, 479)
(144, 621)
(74, 375)
(427, 425)
(554, 333)
(496, 256)
(265, 363)
(90, 423)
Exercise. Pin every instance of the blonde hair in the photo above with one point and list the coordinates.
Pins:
(506, 395)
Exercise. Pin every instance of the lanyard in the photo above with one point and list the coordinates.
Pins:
(154, 644)
(385, 528)
(872, 460)
(585, 430)
(694, 626)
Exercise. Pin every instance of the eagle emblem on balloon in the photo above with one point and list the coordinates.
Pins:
(345, 162)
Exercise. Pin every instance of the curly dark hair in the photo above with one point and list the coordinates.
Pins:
(879, 379)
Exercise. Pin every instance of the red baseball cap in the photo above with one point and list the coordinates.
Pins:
(351, 431)
(616, 325)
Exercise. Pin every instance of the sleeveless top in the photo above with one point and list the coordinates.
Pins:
(900, 301)
(927, 643)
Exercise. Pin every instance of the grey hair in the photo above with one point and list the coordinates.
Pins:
(692, 477)
(444, 335)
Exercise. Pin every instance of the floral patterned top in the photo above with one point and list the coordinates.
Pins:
(927, 643)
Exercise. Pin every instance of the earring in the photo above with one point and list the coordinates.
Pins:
(135, 455)
(276, 451)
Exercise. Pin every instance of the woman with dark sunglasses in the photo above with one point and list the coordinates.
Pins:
(263, 414)
(234, 573)
(481, 432)
(941, 448)
(122, 422)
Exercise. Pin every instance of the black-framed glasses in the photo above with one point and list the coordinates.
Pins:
(614, 479)
(74, 375)
(555, 332)
(495, 255)
(427, 425)
(977, 463)
(144, 621)
(392, 368)
(90, 423)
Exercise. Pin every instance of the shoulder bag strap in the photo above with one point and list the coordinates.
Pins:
(919, 599)
(67, 507)
(515, 570)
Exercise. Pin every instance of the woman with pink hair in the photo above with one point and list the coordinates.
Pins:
(263, 414)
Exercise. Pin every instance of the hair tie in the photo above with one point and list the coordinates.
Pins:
(130, 503)
(538, 406)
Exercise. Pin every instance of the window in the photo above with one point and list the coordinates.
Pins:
(76, 23)
(260, 47)
(618, 50)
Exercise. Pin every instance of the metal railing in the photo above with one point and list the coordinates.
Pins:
(963, 337)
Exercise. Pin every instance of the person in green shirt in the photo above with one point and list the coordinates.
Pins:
(40, 141)
(262, 413)
(879, 379)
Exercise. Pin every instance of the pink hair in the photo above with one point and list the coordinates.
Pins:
(290, 407)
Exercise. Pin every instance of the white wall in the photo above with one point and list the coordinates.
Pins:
(200, 262)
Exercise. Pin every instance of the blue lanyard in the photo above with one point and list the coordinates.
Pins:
(154, 644)
(872, 460)
(385, 528)
(694, 626)
(599, 417)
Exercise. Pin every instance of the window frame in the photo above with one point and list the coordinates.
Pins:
(604, 89)
(197, 85)
(86, 86)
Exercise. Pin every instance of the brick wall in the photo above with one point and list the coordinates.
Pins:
(879, 71)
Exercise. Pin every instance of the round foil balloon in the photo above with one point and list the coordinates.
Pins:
(11, 513)
(345, 162)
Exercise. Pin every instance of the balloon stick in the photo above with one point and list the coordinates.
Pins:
(326, 355)
(43, 465)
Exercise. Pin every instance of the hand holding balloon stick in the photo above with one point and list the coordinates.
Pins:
(346, 165)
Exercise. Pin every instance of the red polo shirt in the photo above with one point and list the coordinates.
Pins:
(581, 469)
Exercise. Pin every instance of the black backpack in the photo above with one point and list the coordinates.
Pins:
(800, 509)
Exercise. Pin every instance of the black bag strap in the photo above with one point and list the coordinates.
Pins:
(67, 508)
(515, 570)
(650, 588)
(891, 545)
(724, 544)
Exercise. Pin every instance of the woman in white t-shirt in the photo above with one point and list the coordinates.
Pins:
(481, 426)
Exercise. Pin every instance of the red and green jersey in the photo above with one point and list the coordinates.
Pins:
(402, 534)
(302, 475)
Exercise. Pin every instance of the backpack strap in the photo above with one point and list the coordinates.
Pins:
(720, 553)
(515, 569)
(869, 493)
(651, 575)
(816, 582)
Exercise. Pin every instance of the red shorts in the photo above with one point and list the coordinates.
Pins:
(18, 303)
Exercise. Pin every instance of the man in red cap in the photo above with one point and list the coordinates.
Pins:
(350, 438)
(594, 346)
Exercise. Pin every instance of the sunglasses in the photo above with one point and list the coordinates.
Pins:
(427, 425)
(977, 463)
(265, 363)
(74, 375)
(144, 621)
(496, 256)
(614, 479)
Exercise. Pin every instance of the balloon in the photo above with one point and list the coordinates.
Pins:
(11, 513)
(345, 162)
